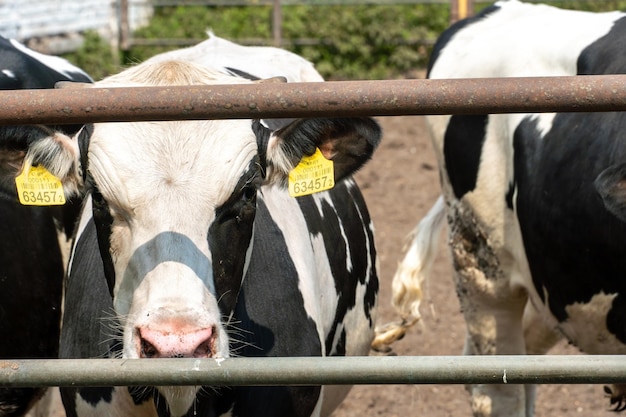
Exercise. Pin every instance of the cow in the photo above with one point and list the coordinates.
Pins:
(533, 202)
(33, 240)
(177, 213)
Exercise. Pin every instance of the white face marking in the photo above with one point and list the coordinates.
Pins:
(162, 205)
(162, 182)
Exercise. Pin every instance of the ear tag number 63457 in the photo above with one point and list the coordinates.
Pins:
(36, 186)
(313, 174)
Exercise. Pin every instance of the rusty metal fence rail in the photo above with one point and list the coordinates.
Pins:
(375, 98)
(340, 98)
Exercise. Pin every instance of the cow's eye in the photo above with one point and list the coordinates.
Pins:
(247, 204)
(241, 205)
(248, 193)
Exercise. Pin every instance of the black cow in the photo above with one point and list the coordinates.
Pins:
(33, 240)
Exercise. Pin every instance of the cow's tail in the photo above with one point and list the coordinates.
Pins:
(412, 271)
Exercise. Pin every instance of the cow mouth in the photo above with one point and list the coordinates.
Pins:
(168, 343)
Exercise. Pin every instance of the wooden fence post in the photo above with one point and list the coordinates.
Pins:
(124, 26)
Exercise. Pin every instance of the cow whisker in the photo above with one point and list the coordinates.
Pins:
(222, 296)
(237, 339)
(114, 330)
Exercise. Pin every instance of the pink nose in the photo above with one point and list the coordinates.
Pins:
(159, 343)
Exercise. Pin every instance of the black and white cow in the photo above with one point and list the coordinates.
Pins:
(189, 245)
(32, 239)
(533, 201)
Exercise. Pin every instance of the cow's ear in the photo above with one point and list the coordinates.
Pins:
(25, 146)
(348, 142)
(611, 185)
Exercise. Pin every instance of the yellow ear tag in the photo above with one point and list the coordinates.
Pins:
(36, 186)
(313, 174)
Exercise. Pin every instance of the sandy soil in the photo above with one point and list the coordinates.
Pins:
(400, 185)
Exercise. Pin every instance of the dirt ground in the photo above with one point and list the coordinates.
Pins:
(400, 184)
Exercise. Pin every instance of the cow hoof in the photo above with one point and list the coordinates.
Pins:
(617, 396)
(390, 333)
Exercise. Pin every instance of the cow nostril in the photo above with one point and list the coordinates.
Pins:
(206, 348)
(203, 350)
(148, 350)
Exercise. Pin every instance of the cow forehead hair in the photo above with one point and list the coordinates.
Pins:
(157, 153)
(133, 163)
(169, 73)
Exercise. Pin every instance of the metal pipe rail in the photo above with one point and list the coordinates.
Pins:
(329, 99)
(546, 369)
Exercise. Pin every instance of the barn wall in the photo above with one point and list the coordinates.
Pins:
(53, 26)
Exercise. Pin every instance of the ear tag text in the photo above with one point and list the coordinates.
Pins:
(313, 174)
(36, 186)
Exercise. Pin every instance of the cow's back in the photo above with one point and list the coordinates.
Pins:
(476, 152)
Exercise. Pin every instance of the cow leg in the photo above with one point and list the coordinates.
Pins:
(493, 310)
(539, 337)
(495, 331)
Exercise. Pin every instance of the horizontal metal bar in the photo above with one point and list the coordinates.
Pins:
(339, 98)
(314, 371)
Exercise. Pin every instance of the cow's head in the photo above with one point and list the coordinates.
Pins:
(174, 203)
